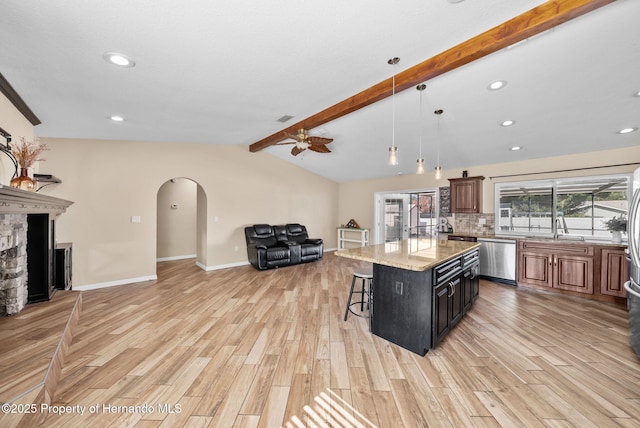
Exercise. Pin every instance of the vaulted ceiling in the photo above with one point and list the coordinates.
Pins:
(223, 74)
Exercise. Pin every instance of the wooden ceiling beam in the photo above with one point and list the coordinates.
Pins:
(544, 17)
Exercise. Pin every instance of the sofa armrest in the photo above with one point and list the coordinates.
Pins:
(260, 247)
(316, 241)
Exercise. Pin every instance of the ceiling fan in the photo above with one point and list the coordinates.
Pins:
(305, 141)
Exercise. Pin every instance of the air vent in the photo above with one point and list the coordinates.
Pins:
(285, 118)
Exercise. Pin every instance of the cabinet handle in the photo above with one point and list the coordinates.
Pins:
(473, 272)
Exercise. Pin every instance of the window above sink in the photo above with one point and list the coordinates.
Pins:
(574, 208)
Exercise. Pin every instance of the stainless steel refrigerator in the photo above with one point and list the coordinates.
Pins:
(633, 285)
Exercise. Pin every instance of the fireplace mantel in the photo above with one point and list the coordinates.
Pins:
(13, 201)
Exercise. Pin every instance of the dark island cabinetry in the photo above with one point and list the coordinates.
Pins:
(417, 309)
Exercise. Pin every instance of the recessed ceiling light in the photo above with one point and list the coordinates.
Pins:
(508, 123)
(117, 118)
(627, 130)
(498, 84)
(515, 148)
(636, 94)
(119, 59)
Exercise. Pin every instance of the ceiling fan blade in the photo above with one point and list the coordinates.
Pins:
(286, 143)
(296, 150)
(319, 140)
(319, 148)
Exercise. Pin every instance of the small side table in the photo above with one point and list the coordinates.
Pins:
(349, 234)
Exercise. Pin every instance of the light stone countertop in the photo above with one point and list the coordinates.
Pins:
(410, 254)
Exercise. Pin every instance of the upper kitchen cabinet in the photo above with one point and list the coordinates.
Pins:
(466, 194)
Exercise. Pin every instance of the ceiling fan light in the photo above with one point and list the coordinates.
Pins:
(438, 172)
(420, 166)
(393, 156)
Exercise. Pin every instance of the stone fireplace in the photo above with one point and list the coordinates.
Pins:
(13, 263)
(27, 247)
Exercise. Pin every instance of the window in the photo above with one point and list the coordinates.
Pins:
(577, 206)
(423, 217)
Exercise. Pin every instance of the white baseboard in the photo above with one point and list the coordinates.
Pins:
(217, 267)
(155, 277)
(113, 283)
(166, 259)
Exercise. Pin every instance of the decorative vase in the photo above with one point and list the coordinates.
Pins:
(24, 182)
(616, 236)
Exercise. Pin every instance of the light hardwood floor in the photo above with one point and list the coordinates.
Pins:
(244, 348)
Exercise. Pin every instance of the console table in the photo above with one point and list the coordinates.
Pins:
(350, 234)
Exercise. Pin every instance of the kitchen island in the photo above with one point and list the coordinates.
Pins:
(421, 288)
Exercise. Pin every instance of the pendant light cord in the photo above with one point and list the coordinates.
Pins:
(420, 145)
(393, 62)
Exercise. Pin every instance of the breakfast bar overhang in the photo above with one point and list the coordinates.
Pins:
(421, 288)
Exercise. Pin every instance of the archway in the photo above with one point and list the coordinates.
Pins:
(181, 221)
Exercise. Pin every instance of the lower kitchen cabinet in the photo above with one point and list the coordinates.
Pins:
(447, 308)
(591, 270)
(561, 266)
(441, 313)
(573, 273)
(417, 309)
(614, 272)
(456, 288)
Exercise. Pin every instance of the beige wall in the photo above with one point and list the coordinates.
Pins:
(111, 181)
(177, 213)
(12, 121)
(356, 199)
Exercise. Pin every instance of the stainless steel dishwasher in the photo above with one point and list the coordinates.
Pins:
(498, 259)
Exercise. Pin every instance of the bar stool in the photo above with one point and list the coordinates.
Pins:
(366, 275)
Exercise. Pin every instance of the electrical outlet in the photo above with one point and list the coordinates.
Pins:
(136, 219)
(399, 286)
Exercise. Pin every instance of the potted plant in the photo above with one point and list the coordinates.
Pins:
(616, 226)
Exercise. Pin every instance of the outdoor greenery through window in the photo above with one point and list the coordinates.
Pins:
(571, 207)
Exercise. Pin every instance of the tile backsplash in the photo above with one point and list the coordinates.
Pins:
(474, 223)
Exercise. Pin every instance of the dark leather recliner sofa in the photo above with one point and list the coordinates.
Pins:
(274, 246)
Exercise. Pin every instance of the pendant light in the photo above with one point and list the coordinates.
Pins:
(438, 168)
(420, 162)
(393, 150)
